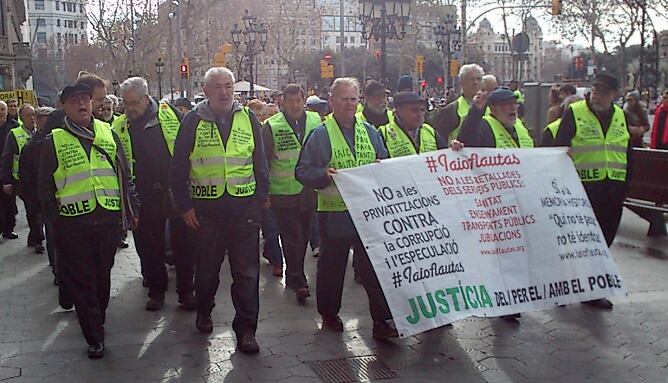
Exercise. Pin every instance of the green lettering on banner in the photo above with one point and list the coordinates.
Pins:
(432, 304)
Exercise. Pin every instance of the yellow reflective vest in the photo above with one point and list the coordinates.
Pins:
(216, 168)
(84, 181)
(463, 107)
(596, 155)
(399, 144)
(329, 198)
(286, 153)
(504, 140)
(21, 136)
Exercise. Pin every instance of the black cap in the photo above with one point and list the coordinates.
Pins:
(183, 102)
(500, 95)
(403, 98)
(607, 80)
(71, 90)
(374, 88)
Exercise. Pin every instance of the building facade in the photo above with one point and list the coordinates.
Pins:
(54, 27)
(15, 60)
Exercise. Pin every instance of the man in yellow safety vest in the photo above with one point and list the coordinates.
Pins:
(450, 119)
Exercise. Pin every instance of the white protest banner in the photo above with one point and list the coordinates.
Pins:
(482, 232)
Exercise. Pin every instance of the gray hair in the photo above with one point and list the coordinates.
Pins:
(466, 69)
(114, 100)
(489, 77)
(135, 84)
(2, 103)
(217, 70)
(344, 81)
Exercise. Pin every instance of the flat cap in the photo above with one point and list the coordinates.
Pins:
(403, 98)
(500, 95)
(72, 90)
(607, 80)
(315, 100)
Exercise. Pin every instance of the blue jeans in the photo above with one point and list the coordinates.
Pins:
(272, 249)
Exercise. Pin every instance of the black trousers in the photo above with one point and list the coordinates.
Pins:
(8, 212)
(150, 242)
(607, 200)
(331, 271)
(294, 228)
(239, 239)
(35, 222)
(85, 258)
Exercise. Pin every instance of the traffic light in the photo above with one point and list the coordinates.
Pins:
(439, 80)
(185, 71)
(423, 84)
(419, 64)
(556, 7)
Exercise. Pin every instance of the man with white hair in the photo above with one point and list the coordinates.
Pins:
(343, 141)
(450, 119)
(489, 83)
(220, 181)
(148, 131)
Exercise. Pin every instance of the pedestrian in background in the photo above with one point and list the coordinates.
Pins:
(659, 139)
(638, 120)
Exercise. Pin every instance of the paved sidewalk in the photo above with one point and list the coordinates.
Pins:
(41, 343)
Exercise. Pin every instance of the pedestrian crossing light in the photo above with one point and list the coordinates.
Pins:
(556, 7)
(185, 72)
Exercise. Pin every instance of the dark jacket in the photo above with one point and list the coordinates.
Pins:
(375, 119)
(447, 120)
(10, 150)
(5, 130)
(306, 200)
(151, 155)
(47, 188)
(227, 207)
(441, 143)
(312, 172)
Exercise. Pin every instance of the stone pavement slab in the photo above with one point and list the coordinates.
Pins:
(39, 342)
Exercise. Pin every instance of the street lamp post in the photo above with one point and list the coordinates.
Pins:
(253, 32)
(159, 67)
(383, 19)
(448, 41)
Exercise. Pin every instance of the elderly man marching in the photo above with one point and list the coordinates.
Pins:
(342, 142)
(85, 190)
(292, 203)
(450, 119)
(148, 130)
(219, 178)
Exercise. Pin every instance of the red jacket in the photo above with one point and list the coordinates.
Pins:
(656, 140)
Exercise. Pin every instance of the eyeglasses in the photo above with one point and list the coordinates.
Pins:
(106, 109)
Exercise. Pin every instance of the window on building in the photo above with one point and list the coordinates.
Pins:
(40, 37)
(39, 5)
(352, 39)
(76, 39)
(57, 22)
(41, 22)
(83, 25)
(69, 7)
(57, 5)
(58, 38)
(81, 8)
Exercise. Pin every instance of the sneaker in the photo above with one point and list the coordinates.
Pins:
(10, 235)
(600, 303)
(247, 344)
(302, 293)
(155, 303)
(204, 323)
(332, 323)
(188, 302)
(96, 351)
(382, 331)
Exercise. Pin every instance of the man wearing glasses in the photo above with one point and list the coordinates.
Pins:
(408, 134)
(597, 131)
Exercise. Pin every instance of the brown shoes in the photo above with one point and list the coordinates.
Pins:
(247, 344)
(332, 323)
(382, 331)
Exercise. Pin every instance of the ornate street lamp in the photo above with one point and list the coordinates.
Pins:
(253, 32)
(448, 41)
(383, 19)
(159, 67)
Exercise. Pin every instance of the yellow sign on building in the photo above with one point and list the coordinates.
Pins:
(23, 96)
